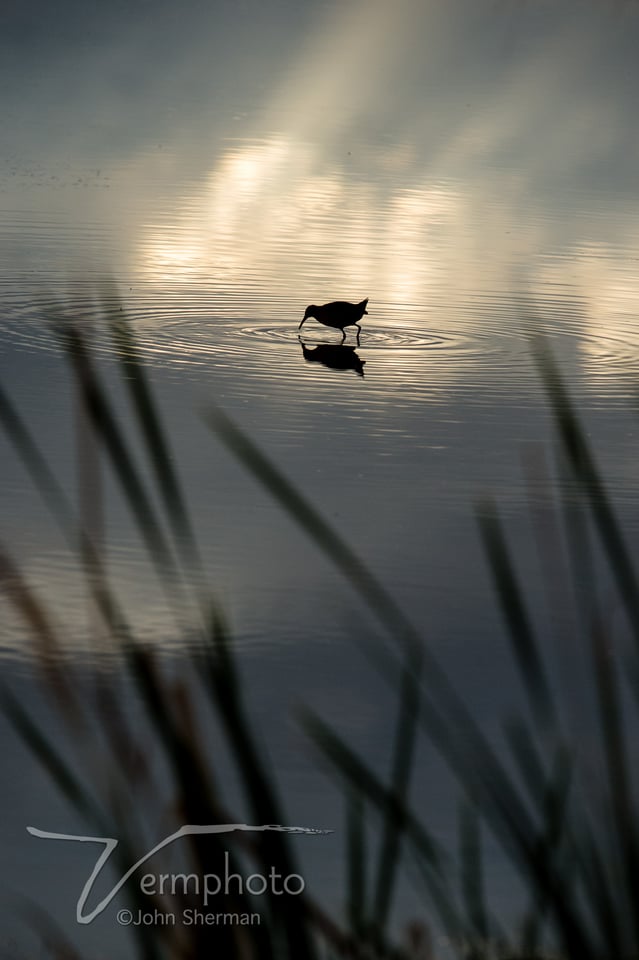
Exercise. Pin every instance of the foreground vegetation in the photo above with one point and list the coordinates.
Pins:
(574, 851)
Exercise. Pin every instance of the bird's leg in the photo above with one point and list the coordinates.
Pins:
(343, 335)
(359, 330)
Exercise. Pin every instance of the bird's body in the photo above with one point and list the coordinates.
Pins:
(338, 314)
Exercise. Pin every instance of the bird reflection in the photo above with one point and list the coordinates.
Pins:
(335, 356)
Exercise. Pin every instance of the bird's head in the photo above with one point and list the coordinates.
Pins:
(309, 312)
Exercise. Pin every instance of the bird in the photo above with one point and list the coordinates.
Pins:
(338, 314)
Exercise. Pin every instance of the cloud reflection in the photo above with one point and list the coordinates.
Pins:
(420, 153)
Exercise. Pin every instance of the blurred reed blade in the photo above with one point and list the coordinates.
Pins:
(403, 758)
(356, 863)
(32, 611)
(43, 477)
(56, 500)
(578, 452)
(321, 533)
(524, 645)
(461, 742)
(600, 889)
(612, 726)
(59, 770)
(436, 683)
(552, 844)
(545, 523)
(533, 771)
(196, 792)
(194, 782)
(223, 684)
(225, 692)
(472, 873)
(527, 756)
(454, 732)
(360, 780)
(54, 941)
(156, 441)
(187, 774)
(113, 438)
(617, 759)
(580, 554)
(49, 647)
(482, 775)
(63, 775)
(62, 512)
(378, 601)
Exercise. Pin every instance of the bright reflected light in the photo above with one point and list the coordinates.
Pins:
(172, 260)
(269, 210)
(433, 201)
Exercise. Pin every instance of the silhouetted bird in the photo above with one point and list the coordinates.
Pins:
(338, 314)
(335, 356)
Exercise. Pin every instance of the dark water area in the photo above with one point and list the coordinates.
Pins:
(214, 169)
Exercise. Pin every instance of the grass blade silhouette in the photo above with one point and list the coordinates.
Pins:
(155, 438)
(524, 644)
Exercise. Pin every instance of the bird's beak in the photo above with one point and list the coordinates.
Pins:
(300, 326)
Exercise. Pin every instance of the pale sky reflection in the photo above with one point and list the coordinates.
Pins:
(324, 234)
(446, 163)
(264, 212)
(470, 200)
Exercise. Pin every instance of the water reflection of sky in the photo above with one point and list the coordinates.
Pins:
(436, 197)
(469, 167)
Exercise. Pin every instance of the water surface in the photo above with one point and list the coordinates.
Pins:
(469, 168)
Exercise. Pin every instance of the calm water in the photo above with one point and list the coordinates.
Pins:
(472, 169)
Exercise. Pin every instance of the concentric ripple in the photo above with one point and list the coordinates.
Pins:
(373, 338)
(194, 329)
